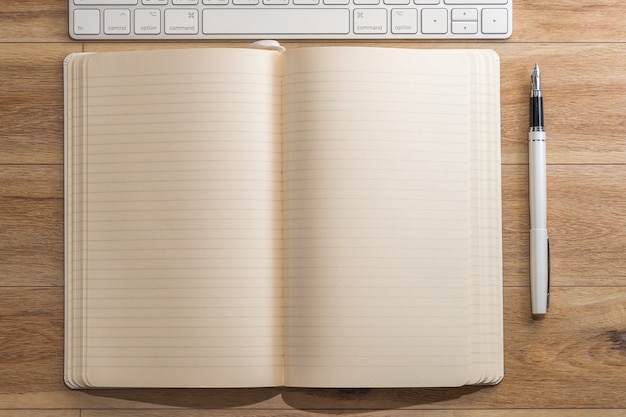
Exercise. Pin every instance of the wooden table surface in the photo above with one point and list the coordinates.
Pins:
(573, 363)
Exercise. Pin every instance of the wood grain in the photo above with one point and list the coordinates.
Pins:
(571, 364)
(31, 231)
(34, 21)
(40, 413)
(586, 224)
(568, 21)
(31, 102)
(361, 413)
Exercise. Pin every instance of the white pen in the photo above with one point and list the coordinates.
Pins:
(539, 243)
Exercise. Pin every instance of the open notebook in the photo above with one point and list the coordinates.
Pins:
(320, 217)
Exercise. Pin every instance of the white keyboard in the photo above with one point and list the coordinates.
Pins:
(289, 19)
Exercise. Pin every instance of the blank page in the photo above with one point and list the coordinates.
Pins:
(377, 217)
(181, 248)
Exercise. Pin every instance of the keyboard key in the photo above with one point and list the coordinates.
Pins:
(404, 21)
(434, 21)
(154, 2)
(104, 2)
(369, 21)
(86, 22)
(184, 2)
(117, 21)
(476, 1)
(181, 21)
(465, 14)
(147, 21)
(276, 21)
(464, 28)
(495, 21)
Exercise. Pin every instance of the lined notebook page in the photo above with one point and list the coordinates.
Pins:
(377, 217)
(183, 250)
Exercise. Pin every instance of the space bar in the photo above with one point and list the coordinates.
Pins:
(275, 21)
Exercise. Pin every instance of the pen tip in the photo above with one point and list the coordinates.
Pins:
(535, 78)
(536, 72)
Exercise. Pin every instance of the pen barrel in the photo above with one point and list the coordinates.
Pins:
(537, 179)
(539, 246)
(536, 111)
(539, 271)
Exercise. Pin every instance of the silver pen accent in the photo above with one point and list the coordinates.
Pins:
(536, 102)
(535, 82)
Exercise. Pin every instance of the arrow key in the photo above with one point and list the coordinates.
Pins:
(464, 28)
(434, 21)
(465, 14)
(495, 21)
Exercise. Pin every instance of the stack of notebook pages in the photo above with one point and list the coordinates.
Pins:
(317, 217)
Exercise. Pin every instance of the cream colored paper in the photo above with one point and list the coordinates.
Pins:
(322, 217)
(182, 260)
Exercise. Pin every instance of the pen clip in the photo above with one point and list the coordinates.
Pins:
(549, 269)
